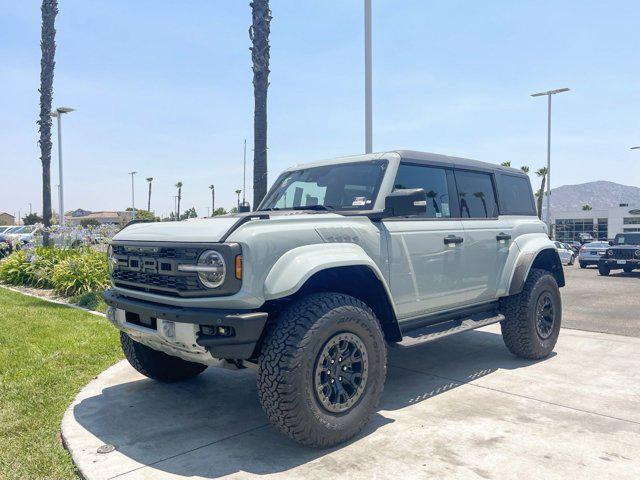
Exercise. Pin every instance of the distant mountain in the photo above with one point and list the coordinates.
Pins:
(600, 195)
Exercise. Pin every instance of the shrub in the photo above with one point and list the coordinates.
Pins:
(33, 267)
(15, 269)
(86, 272)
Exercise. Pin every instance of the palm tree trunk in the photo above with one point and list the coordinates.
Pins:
(541, 196)
(49, 11)
(149, 199)
(179, 198)
(259, 35)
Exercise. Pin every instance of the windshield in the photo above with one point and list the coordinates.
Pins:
(343, 186)
(627, 239)
(597, 245)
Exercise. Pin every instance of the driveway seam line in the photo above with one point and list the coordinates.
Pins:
(469, 382)
(189, 451)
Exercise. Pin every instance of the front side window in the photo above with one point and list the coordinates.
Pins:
(344, 186)
(475, 195)
(434, 182)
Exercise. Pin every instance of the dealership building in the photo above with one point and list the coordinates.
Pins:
(601, 224)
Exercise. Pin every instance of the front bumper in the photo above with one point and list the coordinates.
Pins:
(620, 263)
(180, 328)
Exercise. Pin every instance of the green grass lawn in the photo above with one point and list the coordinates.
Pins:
(48, 352)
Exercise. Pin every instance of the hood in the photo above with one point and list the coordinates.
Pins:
(196, 230)
(207, 230)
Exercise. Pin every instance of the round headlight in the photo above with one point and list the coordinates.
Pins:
(609, 253)
(637, 253)
(212, 269)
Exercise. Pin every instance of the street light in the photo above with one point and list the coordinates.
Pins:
(635, 148)
(57, 113)
(133, 198)
(549, 93)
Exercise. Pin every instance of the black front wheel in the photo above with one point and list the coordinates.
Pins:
(533, 317)
(627, 268)
(322, 369)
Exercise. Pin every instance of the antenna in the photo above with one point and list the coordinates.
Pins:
(244, 171)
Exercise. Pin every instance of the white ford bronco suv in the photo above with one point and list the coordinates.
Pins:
(343, 259)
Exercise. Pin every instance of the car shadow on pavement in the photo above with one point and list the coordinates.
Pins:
(213, 425)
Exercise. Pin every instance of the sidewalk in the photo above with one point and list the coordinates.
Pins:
(462, 407)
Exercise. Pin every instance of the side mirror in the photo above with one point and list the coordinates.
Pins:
(406, 202)
(611, 243)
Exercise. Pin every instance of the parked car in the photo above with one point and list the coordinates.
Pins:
(585, 238)
(566, 253)
(341, 259)
(575, 246)
(590, 253)
(21, 235)
(623, 253)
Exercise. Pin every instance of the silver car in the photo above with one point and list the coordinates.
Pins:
(590, 253)
(567, 257)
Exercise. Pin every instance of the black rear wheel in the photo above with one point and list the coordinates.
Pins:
(158, 365)
(533, 317)
(604, 269)
(583, 264)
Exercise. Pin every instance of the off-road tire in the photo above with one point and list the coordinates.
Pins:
(293, 343)
(158, 365)
(583, 265)
(519, 330)
(604, 270)
(627, 269)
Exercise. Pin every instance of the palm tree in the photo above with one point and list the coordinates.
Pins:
(259, 35)
(149, 179)
(238, 192)
(49, 11)
(586, 207)
(179, 187)
(525, 169)
(506, 164)
(213, 199)
(541, 172)
(433, 195)
(480, 195)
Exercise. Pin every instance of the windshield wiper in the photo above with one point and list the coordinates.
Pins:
(313, 207)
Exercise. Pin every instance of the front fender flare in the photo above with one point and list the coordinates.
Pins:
(296, 266)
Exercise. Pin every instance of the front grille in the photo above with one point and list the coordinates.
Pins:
(154, 269)
(623, 253)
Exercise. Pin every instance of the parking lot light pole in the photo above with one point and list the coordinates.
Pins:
(133, 198)
(368, 122)
(57, 113)
(549, 93)
(635, 148)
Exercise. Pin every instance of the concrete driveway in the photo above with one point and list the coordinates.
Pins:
(463, 407)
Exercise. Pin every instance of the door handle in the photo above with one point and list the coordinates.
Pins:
(503, 237)
(452, 239)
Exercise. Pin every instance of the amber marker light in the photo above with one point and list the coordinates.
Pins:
(239, 267)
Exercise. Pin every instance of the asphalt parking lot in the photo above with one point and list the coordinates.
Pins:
(602, 304)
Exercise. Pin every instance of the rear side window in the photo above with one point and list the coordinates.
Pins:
(515, 196)
(434, 182)
(476, 196)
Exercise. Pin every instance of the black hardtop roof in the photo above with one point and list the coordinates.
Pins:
(415, 156)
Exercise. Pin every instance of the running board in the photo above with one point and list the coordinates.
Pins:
(430, 333)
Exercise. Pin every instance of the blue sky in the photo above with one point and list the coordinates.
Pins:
(164, 88)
